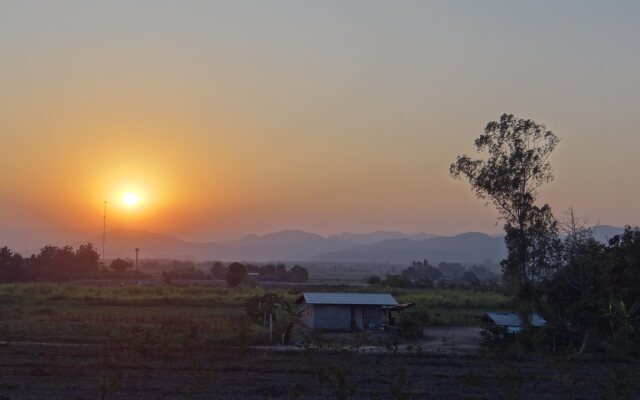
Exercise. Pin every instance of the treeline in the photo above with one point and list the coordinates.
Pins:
(421, 274)
(594, 290)
(59, 264)
(66, 263)
(554, 267)
(236, 273)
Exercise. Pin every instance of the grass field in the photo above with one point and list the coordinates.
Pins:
(50, 312)
(86, 342)
(92, 314)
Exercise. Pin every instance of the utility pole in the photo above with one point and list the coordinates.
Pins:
(137, 250)
(104, 229)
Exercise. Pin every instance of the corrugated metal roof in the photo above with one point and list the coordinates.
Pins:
(513, 320)
(375, 299)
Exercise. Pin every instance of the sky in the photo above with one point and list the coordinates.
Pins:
(237, 117)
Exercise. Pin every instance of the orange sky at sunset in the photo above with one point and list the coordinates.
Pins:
(227, 119)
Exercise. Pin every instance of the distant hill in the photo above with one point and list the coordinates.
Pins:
(603, 233)
(466, 248)
(290, 245)
(122, 242)
(296, 245)
(378, 236)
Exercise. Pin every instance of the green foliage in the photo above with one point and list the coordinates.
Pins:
(120, 265)
(298, 274)
(515, 168)
(451, 270)
(624, 324)
(396, 281)
(623, 266)
(374, 280)
(470, 278)
(236, 273)
(51, 263)
(588, 296)
(422, 273)
(218, 270)
(279, 273)
(83, 313)
(11, 266)
(189, 272)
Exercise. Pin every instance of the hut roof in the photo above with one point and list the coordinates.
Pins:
(512, 321)
(373, 299)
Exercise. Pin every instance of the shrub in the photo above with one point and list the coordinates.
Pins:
(236, 274)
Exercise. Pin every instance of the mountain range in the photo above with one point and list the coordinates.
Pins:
(296, 245)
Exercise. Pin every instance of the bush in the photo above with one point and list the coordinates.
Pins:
(120, 265)
(374, 280)
(236, 273)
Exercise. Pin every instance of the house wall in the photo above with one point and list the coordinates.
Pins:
(339, 317)
(368, 317)
(332, 317)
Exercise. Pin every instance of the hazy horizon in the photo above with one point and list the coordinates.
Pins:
(28, 242)
(249, 117)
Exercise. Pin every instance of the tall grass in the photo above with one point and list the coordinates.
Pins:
(129, 295)
(454, 299)
(81, 312)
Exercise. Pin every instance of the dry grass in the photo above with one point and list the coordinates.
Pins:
(50, 312)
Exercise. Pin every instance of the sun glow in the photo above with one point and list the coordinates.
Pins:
(130, 199)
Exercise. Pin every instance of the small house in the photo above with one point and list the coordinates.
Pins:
(344, 311)
(508, 323)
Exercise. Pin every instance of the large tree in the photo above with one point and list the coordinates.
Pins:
(11, 266)
(515, 166)
(120, 265)
(298, 274)
(87, 259)
(218, 270)
(236, 273)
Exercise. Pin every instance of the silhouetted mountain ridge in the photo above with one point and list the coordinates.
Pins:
(297, 245)
(472, 247)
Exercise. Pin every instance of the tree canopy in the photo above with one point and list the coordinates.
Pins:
(236, 273)
(510, 176)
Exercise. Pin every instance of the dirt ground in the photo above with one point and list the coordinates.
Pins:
(451, 339)
(40, 371)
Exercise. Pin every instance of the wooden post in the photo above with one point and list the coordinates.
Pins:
(271, 327)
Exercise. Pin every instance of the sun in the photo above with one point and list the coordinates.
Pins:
(130, 199)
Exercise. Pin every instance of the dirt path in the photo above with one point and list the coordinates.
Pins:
(90, 372)
(452, 340)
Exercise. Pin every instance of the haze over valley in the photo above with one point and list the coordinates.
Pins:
(378, 247)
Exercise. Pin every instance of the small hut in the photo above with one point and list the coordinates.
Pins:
(504, 324)
(344, 311)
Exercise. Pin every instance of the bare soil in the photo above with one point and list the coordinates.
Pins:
(452, 339)
(43, 371)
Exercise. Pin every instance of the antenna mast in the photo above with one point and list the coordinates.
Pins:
(104, 228)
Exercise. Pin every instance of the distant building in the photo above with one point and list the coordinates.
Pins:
(344, 311)
(508, 323)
